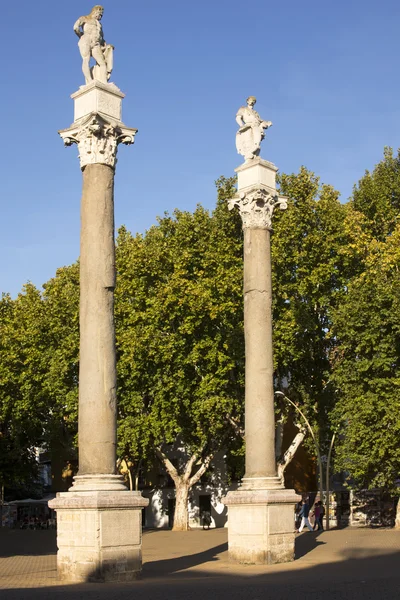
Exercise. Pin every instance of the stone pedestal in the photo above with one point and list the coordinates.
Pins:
(102, 98)
(99, 522)
(261, 512)
(99, 535)
(261, 525)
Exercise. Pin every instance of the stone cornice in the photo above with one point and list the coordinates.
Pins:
(256, 206)
(97, 139)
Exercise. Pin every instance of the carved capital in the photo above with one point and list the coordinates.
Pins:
(256, 207)
(98, 139)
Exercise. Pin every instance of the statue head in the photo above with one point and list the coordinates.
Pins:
(251, 100)
(97, 12)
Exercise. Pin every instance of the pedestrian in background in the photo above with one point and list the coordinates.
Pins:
(304, 513)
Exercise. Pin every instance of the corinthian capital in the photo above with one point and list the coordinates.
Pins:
(97, 139)
(257, 206)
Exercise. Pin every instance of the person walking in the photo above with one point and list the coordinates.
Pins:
(318, 516)
(304, 512)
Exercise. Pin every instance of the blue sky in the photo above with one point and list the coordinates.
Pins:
(326, 74)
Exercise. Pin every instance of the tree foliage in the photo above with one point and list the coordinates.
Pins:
(23, 401)
(308, 280)
(377, 196)
(179, 331)
(367, 335)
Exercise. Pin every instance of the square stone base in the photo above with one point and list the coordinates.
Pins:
(99, 535)
(97, 97)
(257, 172)
(261, 525)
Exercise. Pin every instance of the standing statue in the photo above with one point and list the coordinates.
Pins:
(252, 130)
(91, 43)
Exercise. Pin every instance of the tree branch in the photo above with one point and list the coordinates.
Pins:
(173, 472)
(235, 424)
(291, 451)
(206, 463)
(189, 466)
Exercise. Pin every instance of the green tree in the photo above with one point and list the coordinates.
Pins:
(309, 276)
(179, 341)
(366, 334)
(377, 196)
(23, 401)
(367, 361)
(39, 338)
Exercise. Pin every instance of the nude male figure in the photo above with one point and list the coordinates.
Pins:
(91, 43)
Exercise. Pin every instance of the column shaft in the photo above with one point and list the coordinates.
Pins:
(259, 392)
(97, 367)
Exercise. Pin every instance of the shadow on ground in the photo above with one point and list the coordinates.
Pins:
(25, 542)
(161, 568)
(307, 542)
(350, 565)
(369, 578)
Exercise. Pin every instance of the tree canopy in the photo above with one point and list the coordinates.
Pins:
(367, 335)
(179, 331)
(23, 401)
(308, 280)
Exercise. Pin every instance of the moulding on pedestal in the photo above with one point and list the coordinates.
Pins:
(261, 525)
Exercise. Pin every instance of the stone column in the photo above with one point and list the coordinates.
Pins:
(261, 512)
(98, 520)
(259, 391)
(97, 365)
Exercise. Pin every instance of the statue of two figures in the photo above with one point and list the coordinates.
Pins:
(91, 44)
(252, 130)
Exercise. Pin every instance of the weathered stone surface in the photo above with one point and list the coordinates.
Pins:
(261, 513)
(261, 525)
(99, 535)
(99, 521)
(97, 424)
(259, 408)
(96, 97)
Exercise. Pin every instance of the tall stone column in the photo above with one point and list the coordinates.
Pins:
(98, 520)
(261, 511)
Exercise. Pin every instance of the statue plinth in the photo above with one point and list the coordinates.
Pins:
(96, 97)
(257, 197)
(256, 171)
(99, 522)
(261, 511)
(98, 129)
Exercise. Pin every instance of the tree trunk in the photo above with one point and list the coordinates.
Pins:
(397, 522)
(290, 452)
(183, 484)
(181, 516)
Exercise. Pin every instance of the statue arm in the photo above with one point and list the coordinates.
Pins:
(239, 118)
(77, 27)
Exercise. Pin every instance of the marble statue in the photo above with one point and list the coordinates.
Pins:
(91, 43)
(251, 130)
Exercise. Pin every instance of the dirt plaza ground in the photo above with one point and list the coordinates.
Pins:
(339, 564)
